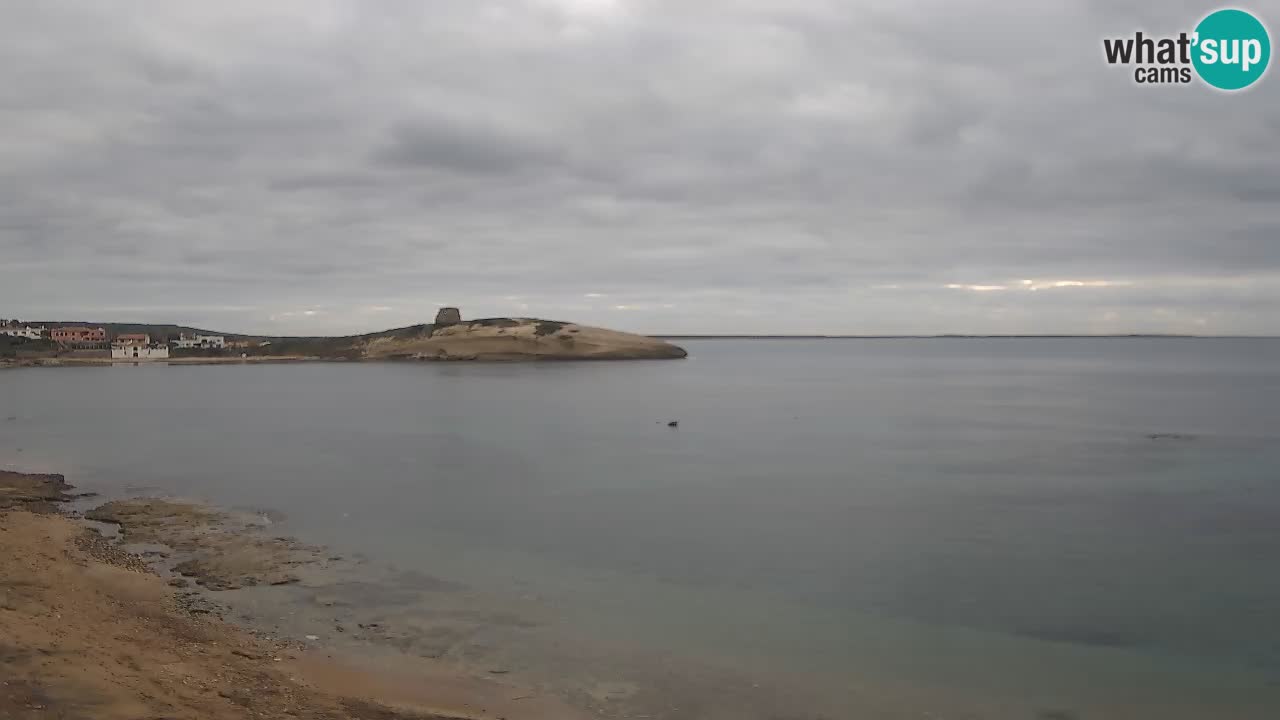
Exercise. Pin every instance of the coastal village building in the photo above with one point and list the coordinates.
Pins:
(24, 331)
(82, 338)
(137, 347)
(215, 342)
(139, 352)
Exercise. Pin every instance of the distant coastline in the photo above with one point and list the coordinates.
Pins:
(449, 338)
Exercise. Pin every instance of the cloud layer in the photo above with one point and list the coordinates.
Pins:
(868, 166)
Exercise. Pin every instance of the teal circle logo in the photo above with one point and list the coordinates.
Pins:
(1232, 49)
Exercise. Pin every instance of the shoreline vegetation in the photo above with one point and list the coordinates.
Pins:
(447, 339)
(88, 629)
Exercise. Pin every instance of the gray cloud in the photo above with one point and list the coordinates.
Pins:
(653, 165)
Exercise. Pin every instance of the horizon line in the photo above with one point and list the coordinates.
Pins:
(943, 336)
(732, 336)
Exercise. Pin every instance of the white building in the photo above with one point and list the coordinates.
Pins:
(137, 347)
(139, 352)
(24, 331)
(200, 341)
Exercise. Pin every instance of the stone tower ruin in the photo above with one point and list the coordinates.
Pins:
(448, 316)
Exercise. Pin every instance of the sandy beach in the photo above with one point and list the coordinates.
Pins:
(91, 631)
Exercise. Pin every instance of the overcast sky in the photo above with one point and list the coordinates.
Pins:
(841, 166)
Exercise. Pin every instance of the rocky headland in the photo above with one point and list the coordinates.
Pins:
(450, 338)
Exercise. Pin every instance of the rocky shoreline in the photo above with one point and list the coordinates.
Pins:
(218, 550)
(36, 492)
(108, 627)
(149, 608)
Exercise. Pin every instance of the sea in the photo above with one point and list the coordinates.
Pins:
(946, 528)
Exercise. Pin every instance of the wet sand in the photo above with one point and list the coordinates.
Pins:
(88, 630)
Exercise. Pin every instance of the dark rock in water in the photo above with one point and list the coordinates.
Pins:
(674, 423)
(448, 316)
(1170, 436)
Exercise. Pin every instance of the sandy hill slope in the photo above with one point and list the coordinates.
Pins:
(515, 339)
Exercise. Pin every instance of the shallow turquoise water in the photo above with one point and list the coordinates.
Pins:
(956, 525)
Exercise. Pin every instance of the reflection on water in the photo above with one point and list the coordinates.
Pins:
(969, 528)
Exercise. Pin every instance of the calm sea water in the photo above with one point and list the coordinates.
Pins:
(967, 528)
